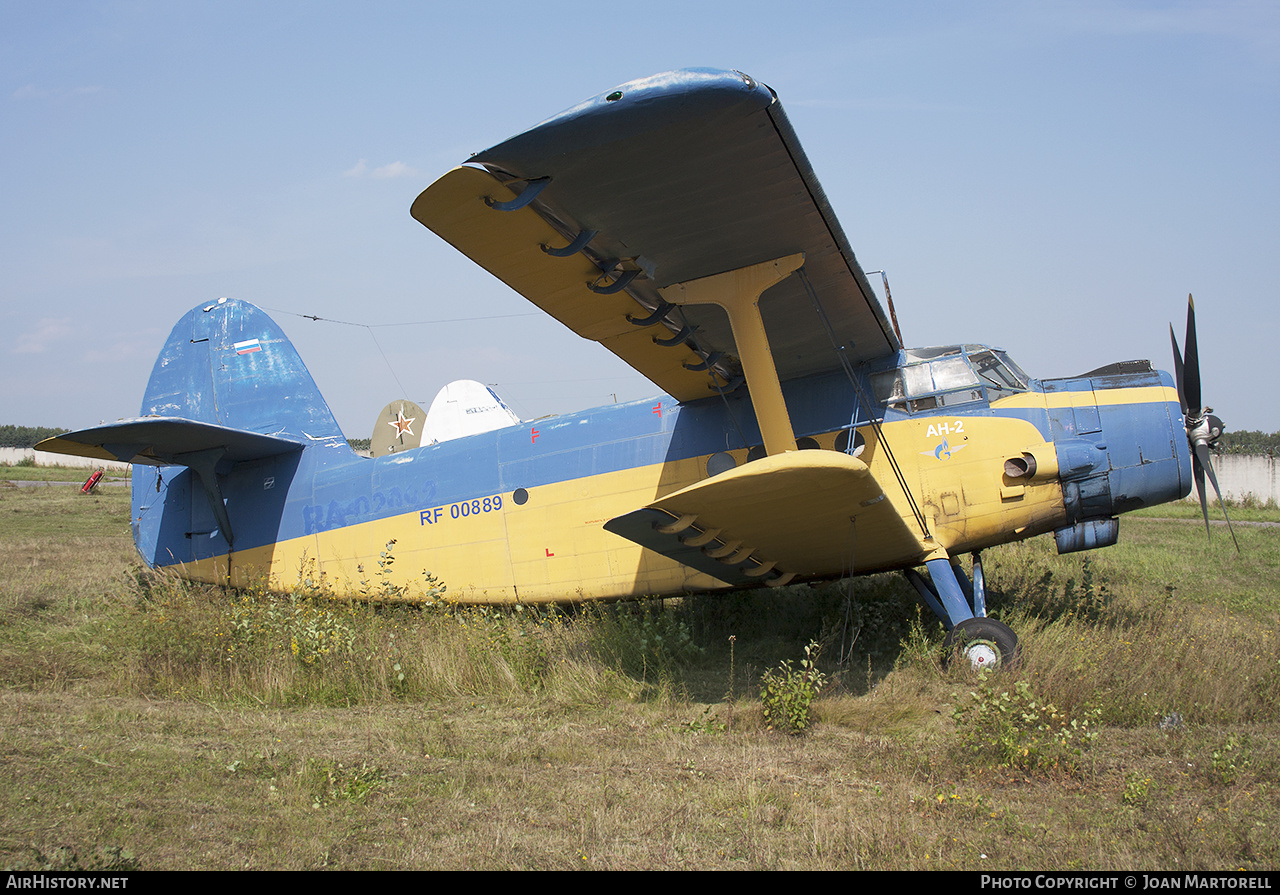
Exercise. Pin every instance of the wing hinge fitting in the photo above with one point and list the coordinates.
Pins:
(527, 195)
(623, 280)
(708, 361)
(577, 244)
(662, 310)
(685, 332)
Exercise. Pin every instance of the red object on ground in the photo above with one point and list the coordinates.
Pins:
(92, 483)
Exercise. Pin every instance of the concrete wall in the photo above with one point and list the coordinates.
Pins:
(1244, 475)
(12, 455)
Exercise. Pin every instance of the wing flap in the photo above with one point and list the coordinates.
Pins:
(165, 441)
(811, 513)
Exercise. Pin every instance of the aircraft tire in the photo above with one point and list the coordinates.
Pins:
(983, 643)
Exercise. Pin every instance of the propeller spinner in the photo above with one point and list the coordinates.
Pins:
(1203, 428)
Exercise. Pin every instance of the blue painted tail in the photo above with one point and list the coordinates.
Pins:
(232, 407)
(229, 364)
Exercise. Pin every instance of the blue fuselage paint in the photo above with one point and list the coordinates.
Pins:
(1116, 455)
(1118, 445)
(1124, 454)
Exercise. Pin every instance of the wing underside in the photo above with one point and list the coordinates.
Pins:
(663, 181)
(807, 513)
(164, 441)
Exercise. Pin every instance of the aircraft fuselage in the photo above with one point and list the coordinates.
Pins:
(518, 514)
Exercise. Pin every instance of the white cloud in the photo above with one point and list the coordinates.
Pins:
(395, 169)
(50, 329)
(383, 172)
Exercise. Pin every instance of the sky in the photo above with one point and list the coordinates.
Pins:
(1050, 178)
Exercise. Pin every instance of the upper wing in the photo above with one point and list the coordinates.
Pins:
(673, 178)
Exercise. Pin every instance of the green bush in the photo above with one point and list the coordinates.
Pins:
(788, 692)
(643, 638)
(1013, 728)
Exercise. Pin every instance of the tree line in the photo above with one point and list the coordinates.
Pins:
(26, 436)
(1249, 441)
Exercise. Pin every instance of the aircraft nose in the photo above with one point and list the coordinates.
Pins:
(1120, 443)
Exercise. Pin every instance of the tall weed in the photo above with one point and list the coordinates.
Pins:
(788, 692)
(1004, 722)
(304, 645)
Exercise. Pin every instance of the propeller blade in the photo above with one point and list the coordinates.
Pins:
(1191, 362)
(1203, 464)
(1203, 429)
(1177, 370)
(1197, 469)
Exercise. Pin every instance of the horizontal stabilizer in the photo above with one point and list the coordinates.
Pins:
(165, 441)
(809, 513)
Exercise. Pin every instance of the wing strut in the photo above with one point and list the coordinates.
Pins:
(738, 293)
(204, 464)
(875, 424)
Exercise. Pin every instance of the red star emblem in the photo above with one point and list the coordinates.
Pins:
(402, 424)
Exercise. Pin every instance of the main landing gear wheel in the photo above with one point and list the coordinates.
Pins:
(983, 643)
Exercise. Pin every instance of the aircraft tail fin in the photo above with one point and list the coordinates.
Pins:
(399, 428)
(228, 387)
(227, 380)
(229, 364)
(465, 407)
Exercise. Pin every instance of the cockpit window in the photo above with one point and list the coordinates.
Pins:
(941, 377)
(951, 373)
(998, 372)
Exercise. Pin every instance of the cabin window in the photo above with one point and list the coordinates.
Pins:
(941, 382)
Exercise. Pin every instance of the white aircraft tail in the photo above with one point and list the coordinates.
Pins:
(465, 407)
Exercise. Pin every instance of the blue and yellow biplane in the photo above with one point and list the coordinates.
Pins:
(676, 221)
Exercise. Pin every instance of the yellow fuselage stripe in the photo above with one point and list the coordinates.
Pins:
(554, 548)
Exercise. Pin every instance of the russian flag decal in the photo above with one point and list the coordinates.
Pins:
(248, 347)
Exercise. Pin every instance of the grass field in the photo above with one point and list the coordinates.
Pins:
(149, 724)
(33, 473)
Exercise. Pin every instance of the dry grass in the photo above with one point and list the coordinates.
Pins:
(155, 725)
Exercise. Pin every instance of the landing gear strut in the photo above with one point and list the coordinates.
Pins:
(962, 606)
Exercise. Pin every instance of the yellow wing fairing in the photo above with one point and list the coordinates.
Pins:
(800, 513)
